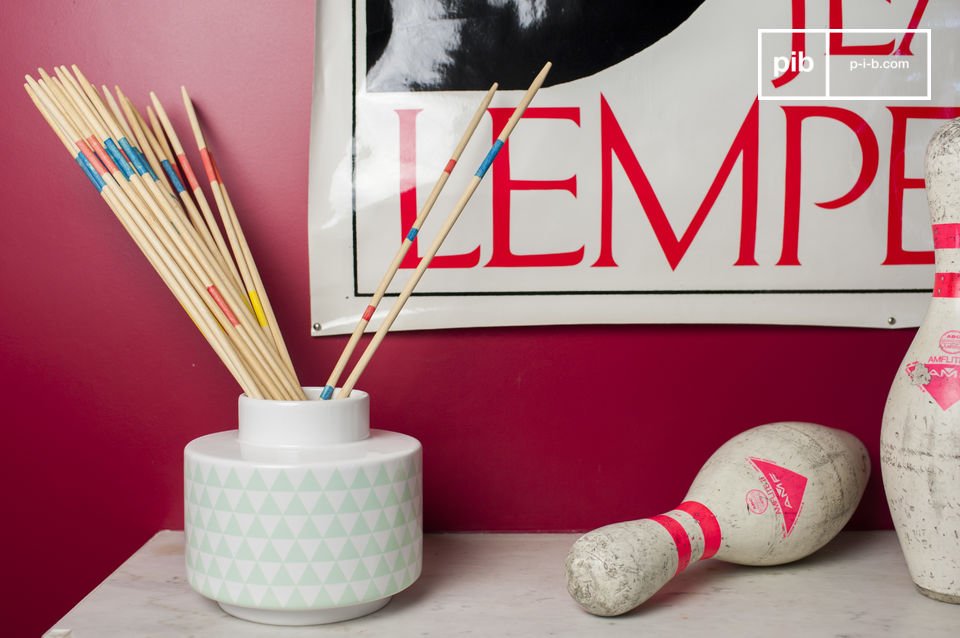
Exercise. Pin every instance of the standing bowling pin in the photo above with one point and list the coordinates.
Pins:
(770, 495)
(920, 439)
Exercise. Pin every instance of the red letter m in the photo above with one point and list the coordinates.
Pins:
(745, 145)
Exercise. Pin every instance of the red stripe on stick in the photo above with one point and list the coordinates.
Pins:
(208, 165)
(680, 539)
(368, 313)
(946, 236)
(188, 171)
(450, 165)
(224, 306)
(712, 535)
(91, 157)
(216, 169)
(102, 154)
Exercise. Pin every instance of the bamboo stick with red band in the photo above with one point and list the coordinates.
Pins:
(405, 245)
(444, 231)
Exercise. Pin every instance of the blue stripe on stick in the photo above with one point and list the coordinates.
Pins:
(143, 158)
(488, 160)
(135, 157)
(118, 158)
(91, 172)
(412, 234)
(172, 174)
(327, 393)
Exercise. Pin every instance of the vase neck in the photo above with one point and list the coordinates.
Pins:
(306, 424)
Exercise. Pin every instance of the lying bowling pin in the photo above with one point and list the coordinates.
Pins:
(770, 495)
(920, 438)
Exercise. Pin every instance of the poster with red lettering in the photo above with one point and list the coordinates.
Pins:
(705, 161)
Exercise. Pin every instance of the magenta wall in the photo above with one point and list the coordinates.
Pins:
(104, 379)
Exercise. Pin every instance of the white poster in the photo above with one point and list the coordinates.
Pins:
(715, 161)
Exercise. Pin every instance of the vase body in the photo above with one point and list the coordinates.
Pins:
(920, 437)
(303, 515)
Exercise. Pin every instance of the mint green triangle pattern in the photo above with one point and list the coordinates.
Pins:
(369, 517)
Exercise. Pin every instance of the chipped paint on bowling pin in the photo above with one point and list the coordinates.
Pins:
(920, 438)
(770, 495)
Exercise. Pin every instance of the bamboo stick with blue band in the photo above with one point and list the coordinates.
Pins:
(444, 231)
(405, 245)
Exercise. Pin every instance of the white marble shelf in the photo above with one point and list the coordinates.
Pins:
(513, 585)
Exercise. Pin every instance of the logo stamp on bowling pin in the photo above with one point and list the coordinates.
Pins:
(784, 489)
(757, 502)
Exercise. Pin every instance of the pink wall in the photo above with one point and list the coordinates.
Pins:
(105, 380)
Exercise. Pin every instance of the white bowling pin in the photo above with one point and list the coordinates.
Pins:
(920, 438)
(770, 495)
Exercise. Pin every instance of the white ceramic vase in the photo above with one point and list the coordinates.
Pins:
(303, 515)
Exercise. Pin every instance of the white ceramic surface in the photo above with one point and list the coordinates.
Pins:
(920, 438)
(304, 515)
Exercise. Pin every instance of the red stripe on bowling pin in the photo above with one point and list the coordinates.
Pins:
(946, 236)
(946, 284)
(709, 527)
(680, 539)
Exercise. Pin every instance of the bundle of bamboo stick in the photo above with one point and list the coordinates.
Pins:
(139, 170)
(135, 171)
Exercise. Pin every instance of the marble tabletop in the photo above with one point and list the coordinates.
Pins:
(513, 585)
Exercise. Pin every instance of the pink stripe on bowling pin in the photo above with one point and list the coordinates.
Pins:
(946, 284)
(946, 236)
(709, 528)
(680, 538)
(708, 525)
